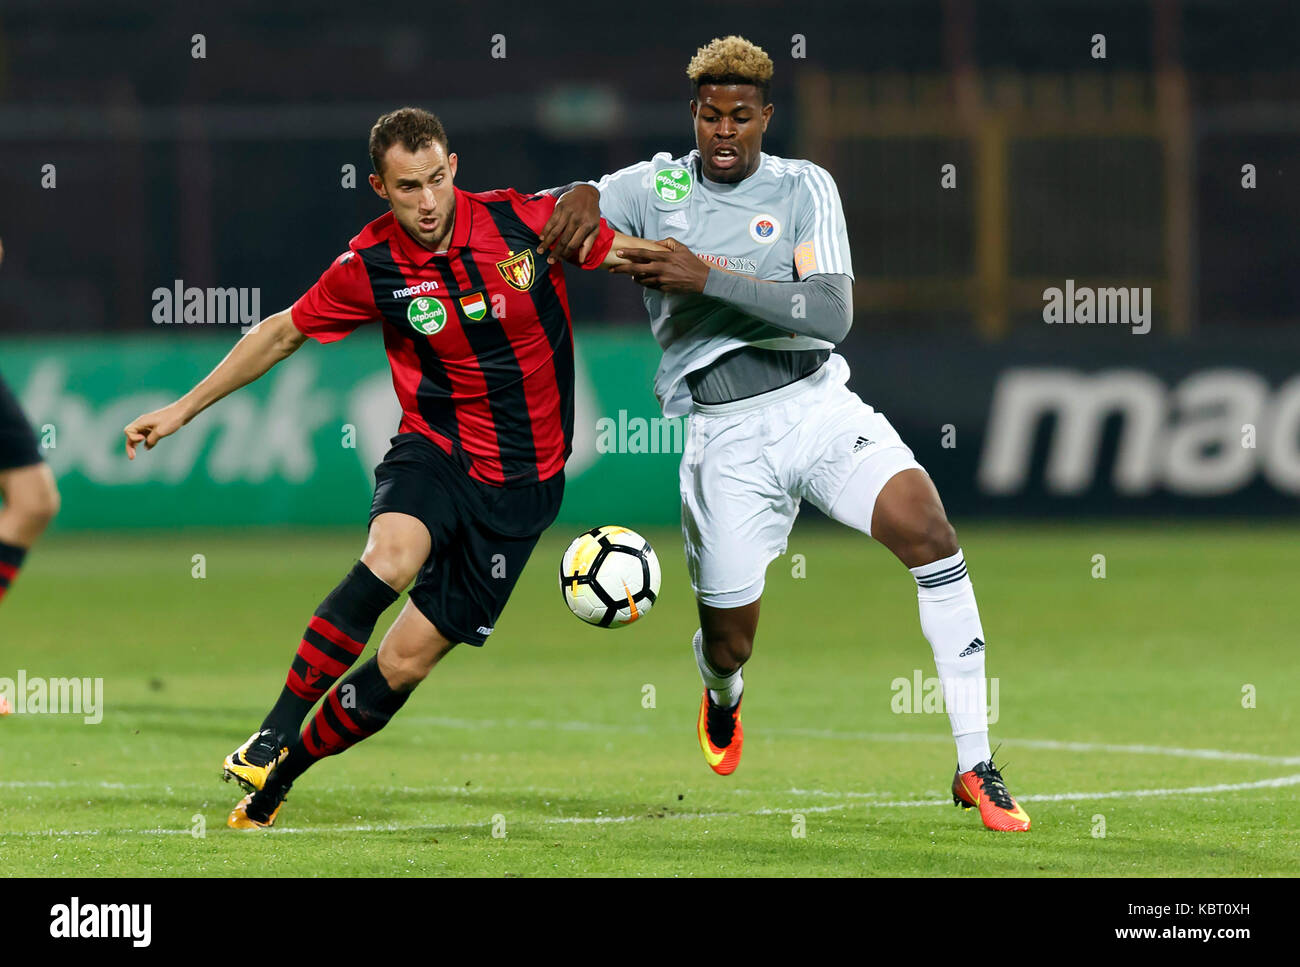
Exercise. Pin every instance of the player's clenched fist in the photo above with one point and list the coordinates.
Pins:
(152, 427)
(573, 227)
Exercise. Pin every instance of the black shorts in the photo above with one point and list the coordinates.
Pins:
(482, 535)
(17, 441)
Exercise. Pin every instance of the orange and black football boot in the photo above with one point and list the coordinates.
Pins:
(721, 734)
(983, 787)
(258, 809)
(253, 762)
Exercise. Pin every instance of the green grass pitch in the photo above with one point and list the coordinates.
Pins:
(563, 749)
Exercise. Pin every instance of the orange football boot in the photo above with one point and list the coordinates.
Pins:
(253, 762)
(983, 787)
(721, 735)
(240, 817)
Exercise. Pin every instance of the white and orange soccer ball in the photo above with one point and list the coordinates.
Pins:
(609, 576)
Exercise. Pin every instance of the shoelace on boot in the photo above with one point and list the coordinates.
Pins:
(994, 787)
(721, 725)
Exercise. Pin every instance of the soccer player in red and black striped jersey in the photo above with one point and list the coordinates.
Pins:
(477, 330)
(29, 496)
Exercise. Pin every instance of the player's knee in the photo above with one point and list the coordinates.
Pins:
(393, 563)
(727, 651)
(935, 540)
(403, 672)
(46, 506)
(396, 549)
(38, 504)
(409, 674)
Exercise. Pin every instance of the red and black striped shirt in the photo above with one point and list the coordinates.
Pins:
(478, 337)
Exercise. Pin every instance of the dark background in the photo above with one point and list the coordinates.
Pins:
(225, 171)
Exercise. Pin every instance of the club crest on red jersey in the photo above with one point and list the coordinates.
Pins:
(518, 270)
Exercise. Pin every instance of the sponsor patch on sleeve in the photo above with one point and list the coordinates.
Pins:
(805, 259)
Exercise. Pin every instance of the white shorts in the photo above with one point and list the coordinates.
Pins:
(748, 465)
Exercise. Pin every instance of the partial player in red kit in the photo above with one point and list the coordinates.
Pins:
(29, 497)
(477, 331)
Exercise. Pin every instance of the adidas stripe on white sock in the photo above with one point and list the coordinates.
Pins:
(950, 620)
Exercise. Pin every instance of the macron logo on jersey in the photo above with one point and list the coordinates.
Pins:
(427, 286)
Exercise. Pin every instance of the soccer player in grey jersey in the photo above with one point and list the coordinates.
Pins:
(748, 303)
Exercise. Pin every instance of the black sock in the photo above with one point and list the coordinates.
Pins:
(11, 559)
(334, 639)
(344, 719)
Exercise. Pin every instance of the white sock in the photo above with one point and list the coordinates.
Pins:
(725, 690)
(950, 620)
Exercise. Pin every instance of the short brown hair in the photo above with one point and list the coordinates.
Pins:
(731, 60)
(414, 128)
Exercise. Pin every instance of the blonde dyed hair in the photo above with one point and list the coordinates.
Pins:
(731, 60)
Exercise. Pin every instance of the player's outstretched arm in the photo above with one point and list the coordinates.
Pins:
(624, 243)
(271, 340)
(819, 305)
(666, 264)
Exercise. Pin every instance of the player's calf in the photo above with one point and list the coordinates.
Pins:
(341, 627)
(355, 709)
(31, 502)
(411, 649)
(933, 539)
(334, 638)
(722, 645)
(909, 519)
(727, 636)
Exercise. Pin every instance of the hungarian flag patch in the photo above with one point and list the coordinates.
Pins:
(474, 306)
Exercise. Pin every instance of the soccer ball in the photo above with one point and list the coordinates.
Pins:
(609, 576)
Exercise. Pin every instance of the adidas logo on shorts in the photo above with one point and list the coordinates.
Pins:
(862, 442)
(972, 648)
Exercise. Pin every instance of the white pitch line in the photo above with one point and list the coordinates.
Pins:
(66, 784)
(550, 725)
(1066, 796)
(1054, 744)
(1274, 783)
(1220, 754)
(207, 787)
(546, 725)
(868, 799)
(1192, 790)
